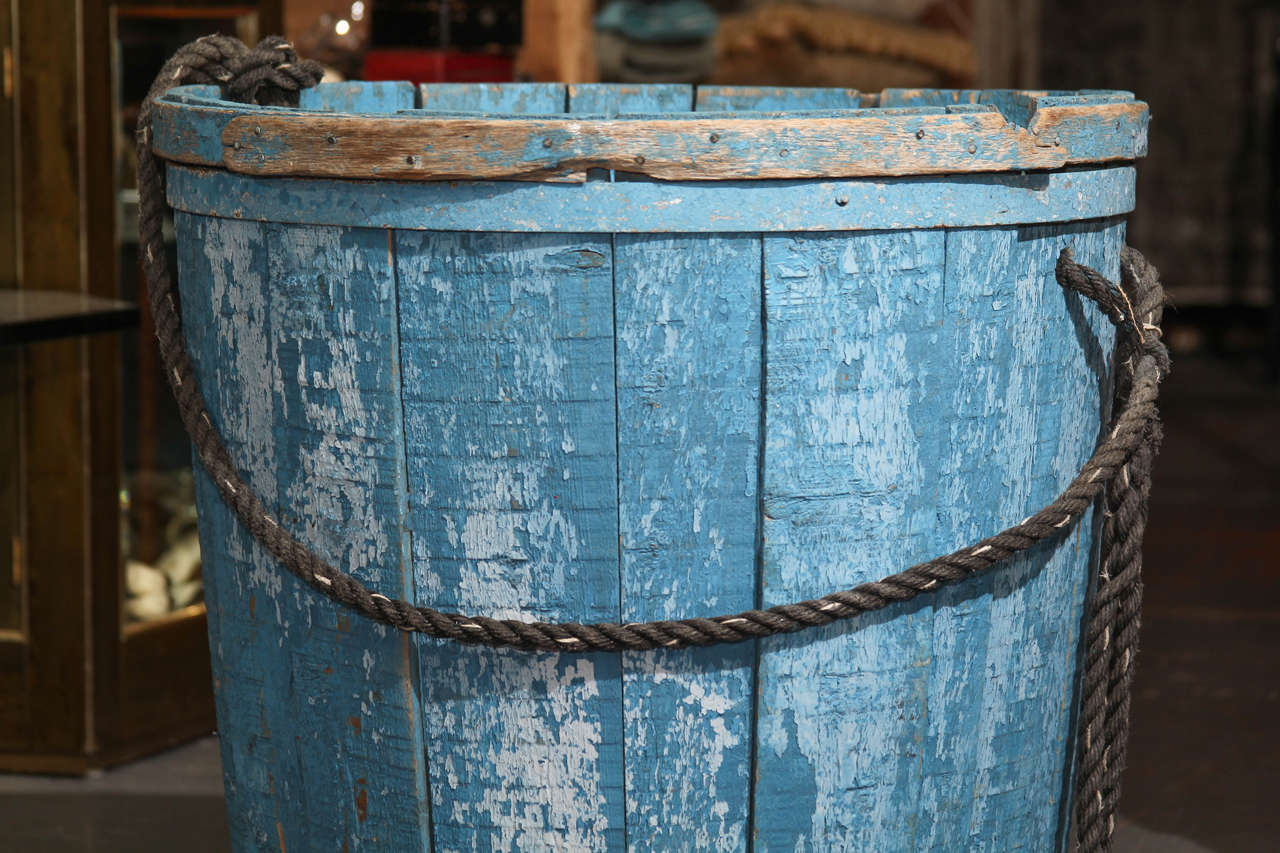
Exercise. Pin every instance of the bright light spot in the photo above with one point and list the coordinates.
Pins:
(342, 27)
(357, 10)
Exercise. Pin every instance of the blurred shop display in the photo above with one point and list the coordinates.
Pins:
(334, 34)
(801, 45)
(425, 41)
(655, 41)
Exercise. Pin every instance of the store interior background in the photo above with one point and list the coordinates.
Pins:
(103, 657)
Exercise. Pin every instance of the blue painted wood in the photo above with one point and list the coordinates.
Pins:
(1102, 129)
(662, 207)
(688, 398)
(513, 98)
(293, 334)
(688, 421)
(774, 98)
(509, 417)
(509, 410)
(1001, 686)
(615, 99)
(1043, 131)
(621, 401)
(852, 446)
(374, 96)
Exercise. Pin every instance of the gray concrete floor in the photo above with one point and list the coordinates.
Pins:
(1204, 759)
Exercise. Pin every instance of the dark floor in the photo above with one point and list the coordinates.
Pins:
(1205, 755)
(1205, 752)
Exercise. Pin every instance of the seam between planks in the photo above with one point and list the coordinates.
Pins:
(617, 525)
(758, 567)
(407, 537)
(946, 322)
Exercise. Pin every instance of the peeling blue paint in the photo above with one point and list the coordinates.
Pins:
(628, 400)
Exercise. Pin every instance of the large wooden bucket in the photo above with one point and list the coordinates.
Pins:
(635, 363)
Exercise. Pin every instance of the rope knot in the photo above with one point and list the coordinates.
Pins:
(269, 74)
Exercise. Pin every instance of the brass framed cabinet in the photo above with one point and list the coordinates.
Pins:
(103, 650)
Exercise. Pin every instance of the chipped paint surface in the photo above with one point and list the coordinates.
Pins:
(688, 320)
(509, 410)
(292, 332)
(568, 426)
(690, 207)
(849, 490)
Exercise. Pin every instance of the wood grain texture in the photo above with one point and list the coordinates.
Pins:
(688, 421)
(651, 207)
(856, 144)
(57, 715)
(509, 414)
(687, 318)
(951, 728)
(503, 98)
(373, 96)
(509, 417)
(851, 135)
(614, 99)
(294, 337)
(558, 41)
(774, 98)
(1094, 126)
(528, 401)
(850, 490)
(1001, 688)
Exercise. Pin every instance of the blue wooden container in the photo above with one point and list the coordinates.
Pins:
(677, 353)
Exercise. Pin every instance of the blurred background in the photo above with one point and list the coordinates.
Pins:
(103, 657)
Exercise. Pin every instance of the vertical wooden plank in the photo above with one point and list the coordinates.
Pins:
(1000, 699)
(1020, 719)
(294, 333)
(510, 98)
(850, 492)
(988, 337)
(773, 99)
(509, 413)
(372, 96)
(688, 423)
(222, 272)
(688, 380)
(615, 99)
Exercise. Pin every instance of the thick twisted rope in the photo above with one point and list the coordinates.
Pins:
(1112, 638)
(1120, 467)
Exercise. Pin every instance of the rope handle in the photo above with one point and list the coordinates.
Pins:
(271, 72)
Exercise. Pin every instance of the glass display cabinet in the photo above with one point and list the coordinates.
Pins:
(103, 651)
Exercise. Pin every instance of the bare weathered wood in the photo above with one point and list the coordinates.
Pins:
(877, 142)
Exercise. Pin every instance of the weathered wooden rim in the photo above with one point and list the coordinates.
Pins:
(958, 201)
(991, 132)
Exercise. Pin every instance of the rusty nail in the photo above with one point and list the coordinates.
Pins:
(920, 133)
(783, 153)
(546, 143)
(715, 137)
(331, 139)
(640, 159)
(842, 201)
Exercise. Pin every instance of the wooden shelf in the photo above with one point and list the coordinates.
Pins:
(28, 316)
